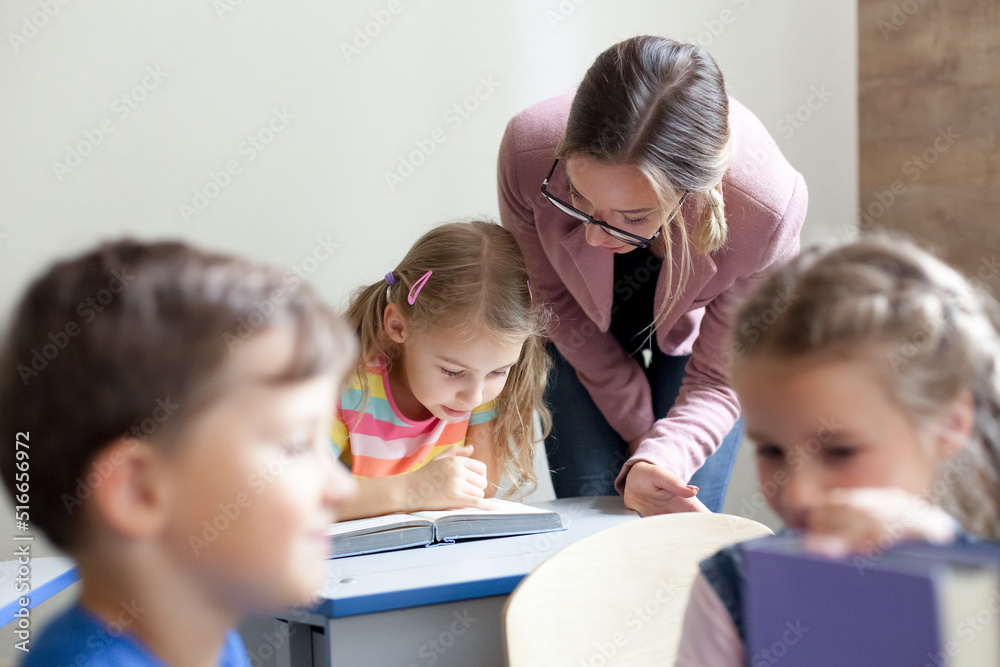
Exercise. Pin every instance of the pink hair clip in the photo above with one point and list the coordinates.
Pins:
(530, 295)
(411, 298)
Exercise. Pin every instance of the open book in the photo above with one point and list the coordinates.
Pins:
(399, 531)
(913, 604)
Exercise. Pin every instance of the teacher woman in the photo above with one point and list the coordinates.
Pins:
(646, 202)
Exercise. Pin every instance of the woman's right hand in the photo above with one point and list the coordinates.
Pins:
(651, 489)
(452, 480)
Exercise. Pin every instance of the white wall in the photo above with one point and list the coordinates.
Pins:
(224, 67)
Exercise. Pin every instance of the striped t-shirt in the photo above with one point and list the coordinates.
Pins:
(381, 441)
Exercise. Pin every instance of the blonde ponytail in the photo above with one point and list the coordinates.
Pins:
(710, 233)
(365, 317)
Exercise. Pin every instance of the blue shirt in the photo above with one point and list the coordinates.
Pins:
(77, 638)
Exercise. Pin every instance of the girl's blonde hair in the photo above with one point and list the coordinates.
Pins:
(932, 334)
(479, 287)
(660, 106)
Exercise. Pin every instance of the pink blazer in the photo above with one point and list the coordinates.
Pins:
(765, 203)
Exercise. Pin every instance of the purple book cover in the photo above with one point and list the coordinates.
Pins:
(802, 609)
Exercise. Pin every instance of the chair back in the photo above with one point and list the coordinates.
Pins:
(618, 597)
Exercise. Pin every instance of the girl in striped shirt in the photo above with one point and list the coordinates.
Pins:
(452, 369)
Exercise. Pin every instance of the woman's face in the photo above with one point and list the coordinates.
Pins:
(617, 194)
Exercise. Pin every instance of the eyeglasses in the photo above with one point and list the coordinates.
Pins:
(613, 232)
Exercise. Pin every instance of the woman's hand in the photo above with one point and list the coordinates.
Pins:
(871, 520)
(452, 480)
(652, 489)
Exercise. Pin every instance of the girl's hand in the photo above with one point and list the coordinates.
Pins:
(652, 489)
(871, 520)
(450, 481)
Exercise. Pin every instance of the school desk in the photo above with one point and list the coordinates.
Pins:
(439, 605)
(48, 576)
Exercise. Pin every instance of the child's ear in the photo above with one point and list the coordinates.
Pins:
(955, 426)
(394, 324)
(129, 487)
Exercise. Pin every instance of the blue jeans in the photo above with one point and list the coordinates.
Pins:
(585, 454)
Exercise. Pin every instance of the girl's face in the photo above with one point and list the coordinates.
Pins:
(823, 425)
(254, 483)
(438, 374)
(617, 194)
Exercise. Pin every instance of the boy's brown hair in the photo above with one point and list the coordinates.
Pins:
(129, 340)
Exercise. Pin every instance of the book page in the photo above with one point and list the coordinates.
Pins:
(376, 524)
(504, 508)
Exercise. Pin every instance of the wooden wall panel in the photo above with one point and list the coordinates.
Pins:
(929, 121)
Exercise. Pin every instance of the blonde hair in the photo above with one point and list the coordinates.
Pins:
(479, 287)
(933, 334)
(662, 107)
